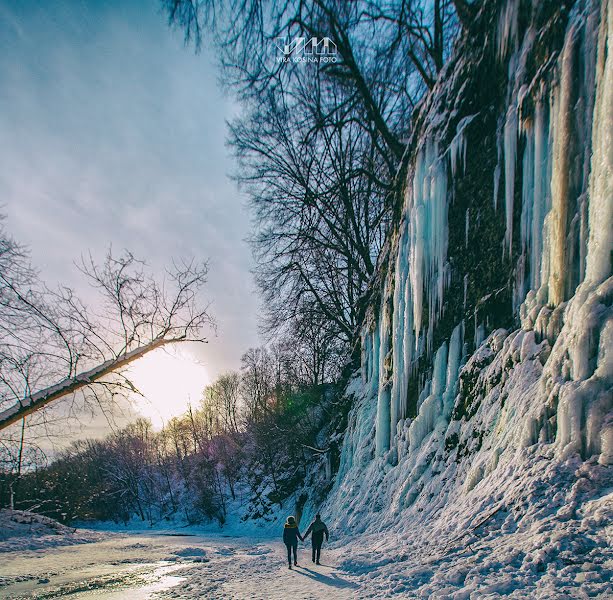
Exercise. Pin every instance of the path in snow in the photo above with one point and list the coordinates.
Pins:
(141, 566)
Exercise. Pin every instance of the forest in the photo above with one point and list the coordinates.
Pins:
(245, 446)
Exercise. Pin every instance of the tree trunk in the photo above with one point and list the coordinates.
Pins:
(36, 401)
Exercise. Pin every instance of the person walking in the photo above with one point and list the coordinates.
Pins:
(317, 529)
(291, 535)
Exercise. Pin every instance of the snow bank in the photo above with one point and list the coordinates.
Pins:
(22, 530)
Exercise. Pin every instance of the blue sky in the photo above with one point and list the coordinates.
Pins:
(112, 132)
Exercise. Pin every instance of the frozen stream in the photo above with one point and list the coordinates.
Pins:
(137, 566)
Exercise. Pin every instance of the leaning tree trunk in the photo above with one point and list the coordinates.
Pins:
(70, 385)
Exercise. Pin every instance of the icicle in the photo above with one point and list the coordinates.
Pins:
(398, 328)
(428, 234)
(382, 438)
(430, 409)
(527, 201)
(560, 174)
(408, 345)
(374, 361)
(453, 367)
(496, 184)
(439, 371)
(507, 28)
(540, 204)
(457, 147)
(416, 257)
(510, 154)
(600, 242)
(365, 358)
(479, 333)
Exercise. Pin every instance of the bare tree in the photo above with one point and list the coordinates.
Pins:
(319, 208)
(53, 346)
(320, 143)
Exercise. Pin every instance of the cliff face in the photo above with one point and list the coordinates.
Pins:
(487, 351)
(495, 220)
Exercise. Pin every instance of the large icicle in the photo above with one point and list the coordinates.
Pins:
(507, 28)
(541, 195)
(600, 241)
(510, 155)
(399, 327)
(453, 367)
(560, 174)
(383, 396)
(428, 235)
(457, 147)
(430, 408)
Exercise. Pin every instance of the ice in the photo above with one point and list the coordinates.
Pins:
(560, 173)
(428, 235)
(453, 366)
(399, 327)
(541, 194)
(529, 404)
(601, 178)
(497, 483)
(383, 396)
(507, 28)
(457, 147)
(509, 446)
(510, 157)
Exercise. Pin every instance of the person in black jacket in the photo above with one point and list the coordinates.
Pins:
(291, 535)
(317, 529)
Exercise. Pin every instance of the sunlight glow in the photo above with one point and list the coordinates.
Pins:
(170, 380)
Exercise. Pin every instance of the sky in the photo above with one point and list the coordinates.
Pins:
(112, 132)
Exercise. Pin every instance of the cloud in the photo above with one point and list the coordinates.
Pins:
(113, 132)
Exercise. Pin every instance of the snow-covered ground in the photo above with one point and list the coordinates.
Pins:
(551, 558)
(161, 564)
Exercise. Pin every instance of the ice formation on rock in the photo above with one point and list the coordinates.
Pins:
(550, 381)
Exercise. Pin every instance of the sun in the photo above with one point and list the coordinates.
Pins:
(170, 379)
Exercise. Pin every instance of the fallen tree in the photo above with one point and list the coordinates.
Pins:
(52, 345)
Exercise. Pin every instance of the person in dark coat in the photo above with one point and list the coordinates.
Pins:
(317, 529)
(291, 535)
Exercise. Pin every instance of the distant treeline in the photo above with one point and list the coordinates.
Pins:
(250, 443)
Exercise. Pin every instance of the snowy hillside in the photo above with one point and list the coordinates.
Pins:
(481, 437)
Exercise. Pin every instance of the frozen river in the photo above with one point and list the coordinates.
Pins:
(138, 566)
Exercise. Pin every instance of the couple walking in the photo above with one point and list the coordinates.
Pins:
(291, 535)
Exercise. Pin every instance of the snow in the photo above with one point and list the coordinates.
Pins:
(500, 553)
(171, 565)
(22, 530)
(495, 509)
